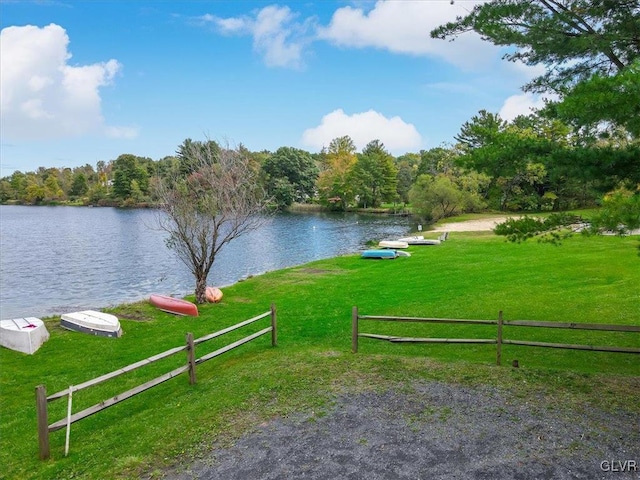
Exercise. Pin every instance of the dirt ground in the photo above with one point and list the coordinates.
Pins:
(483, 225)
(432, 431)
(487, 224)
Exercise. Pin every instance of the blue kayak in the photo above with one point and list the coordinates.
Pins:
(379, 254)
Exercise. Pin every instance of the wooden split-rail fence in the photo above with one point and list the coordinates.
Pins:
(499, 339)
(41, 392)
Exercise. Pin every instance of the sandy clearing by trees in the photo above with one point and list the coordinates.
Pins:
(480, 225)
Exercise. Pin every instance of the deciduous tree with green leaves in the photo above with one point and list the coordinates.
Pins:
(438, 160)
(291, 176)
(335, 182)
(52, 189)
(79, 185)
(375, 175)
(407, 166)
(126, 169)
(440, 196)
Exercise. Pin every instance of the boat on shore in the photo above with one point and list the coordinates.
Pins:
(380, 254)
(393, 244)
(177, 306)
(419, 240)
(24, 335)
(92, 322)
(213, 294)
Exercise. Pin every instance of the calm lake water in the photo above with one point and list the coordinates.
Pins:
(59, 259)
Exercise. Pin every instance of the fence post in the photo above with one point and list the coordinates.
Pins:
(274, 326)
(499, 340)
(191, 358)
(354, 330)
(43, 422)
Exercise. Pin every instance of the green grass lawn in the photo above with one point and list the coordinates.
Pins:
(587, 279)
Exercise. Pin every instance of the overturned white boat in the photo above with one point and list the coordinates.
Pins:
(393, 244)
(92, 322)
(419, 240)
(24, 335)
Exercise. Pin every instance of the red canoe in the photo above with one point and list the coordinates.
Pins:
(173, 305)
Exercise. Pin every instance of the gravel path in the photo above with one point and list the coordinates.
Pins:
(436, 431)
(483, 225)
(487, 225)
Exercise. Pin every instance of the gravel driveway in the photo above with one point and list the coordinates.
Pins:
(434, 431)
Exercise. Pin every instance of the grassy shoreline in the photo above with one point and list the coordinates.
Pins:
(470, 276)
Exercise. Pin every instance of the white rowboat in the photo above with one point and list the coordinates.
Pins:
(419, 240)
(92, 322)
(393, 244)
(24, 335)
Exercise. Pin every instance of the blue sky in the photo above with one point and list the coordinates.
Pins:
(87, 81)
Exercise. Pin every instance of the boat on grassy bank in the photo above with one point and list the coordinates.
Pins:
(419, 240)
(177, 306)
(24, 335)
(213, 294)
(92, 322)
(393, 244)
(380, 254)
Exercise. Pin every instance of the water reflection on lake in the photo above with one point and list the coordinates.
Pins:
(57, 259)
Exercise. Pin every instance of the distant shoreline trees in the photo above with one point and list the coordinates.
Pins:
(529, 164)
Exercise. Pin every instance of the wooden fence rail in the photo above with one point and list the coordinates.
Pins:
(41, 393)
(498, 340)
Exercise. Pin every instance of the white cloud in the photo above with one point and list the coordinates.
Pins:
(404, 27)
(276, 34)
(401, 27)
(528, 72)
(230, 25)
(121, 132)
(523, 104)
(41, 95)
(397, 135)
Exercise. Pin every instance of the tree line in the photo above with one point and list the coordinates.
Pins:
(532, 163)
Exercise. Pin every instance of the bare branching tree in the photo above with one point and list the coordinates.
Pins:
(217, 200)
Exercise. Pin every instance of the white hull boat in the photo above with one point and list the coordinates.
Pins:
(92, 322)
(24, 335)
(419, 240)
(393, 244)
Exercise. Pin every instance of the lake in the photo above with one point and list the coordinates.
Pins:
(59, 259)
